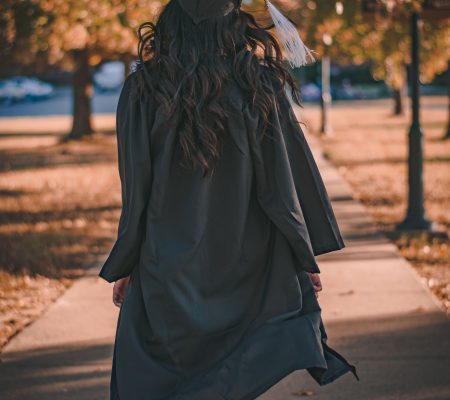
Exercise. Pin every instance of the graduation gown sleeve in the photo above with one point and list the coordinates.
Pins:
(316, 206)
(135, 171)
(289, 186)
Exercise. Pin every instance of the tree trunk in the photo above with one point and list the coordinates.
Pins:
(398, 101)
(447, 134)
(82, 90)
(399, 91)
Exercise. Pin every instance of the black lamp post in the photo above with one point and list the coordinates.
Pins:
(415, 218)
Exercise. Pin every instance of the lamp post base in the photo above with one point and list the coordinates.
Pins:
(417, 223)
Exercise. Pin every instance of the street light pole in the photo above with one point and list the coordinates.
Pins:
(415, 217)
(325, 99)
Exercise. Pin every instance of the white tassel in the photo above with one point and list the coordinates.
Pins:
(296, 51)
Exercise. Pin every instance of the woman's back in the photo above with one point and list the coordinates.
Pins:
(207, 255)
(218, 262)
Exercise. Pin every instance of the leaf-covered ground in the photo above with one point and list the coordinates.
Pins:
(369, 146)
(59, 206)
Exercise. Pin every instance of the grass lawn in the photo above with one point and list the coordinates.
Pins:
(369, 147)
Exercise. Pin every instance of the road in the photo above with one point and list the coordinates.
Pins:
(106, 102)
(60, 104)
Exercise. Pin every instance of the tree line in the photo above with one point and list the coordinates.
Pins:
(79, 34)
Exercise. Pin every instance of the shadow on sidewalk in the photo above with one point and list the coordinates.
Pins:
(74, 371)
(404, 356)
(401, 357)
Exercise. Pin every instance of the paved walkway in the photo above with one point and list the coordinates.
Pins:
(377, 312)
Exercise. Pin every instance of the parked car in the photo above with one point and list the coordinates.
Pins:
(10, 92)
(110, 76)
(346, 91)
(21, 88)
(310, 92)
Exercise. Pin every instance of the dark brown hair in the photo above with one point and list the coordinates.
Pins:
(185, 67)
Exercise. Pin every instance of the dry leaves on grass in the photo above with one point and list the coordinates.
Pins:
(60, 204)
(24, 298)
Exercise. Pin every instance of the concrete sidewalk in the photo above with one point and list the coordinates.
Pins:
(376, 310)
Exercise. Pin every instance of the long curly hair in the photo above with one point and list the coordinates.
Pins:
(186, 66)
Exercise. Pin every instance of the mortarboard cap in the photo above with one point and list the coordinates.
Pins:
(296, 52)
(200, 10)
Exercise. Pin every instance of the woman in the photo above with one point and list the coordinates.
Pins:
(223, 211)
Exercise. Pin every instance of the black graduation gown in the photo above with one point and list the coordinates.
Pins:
(219, 303)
